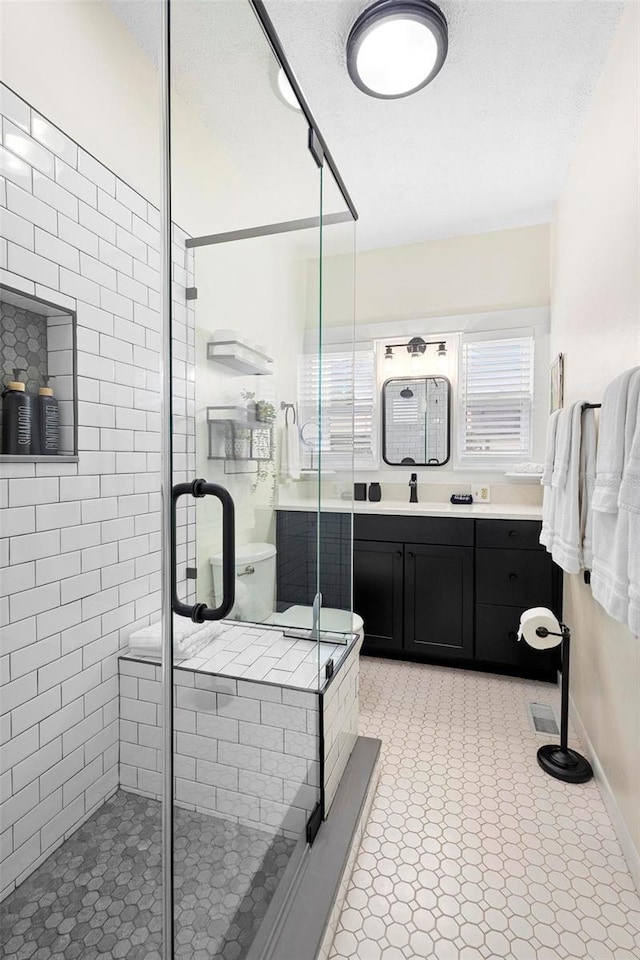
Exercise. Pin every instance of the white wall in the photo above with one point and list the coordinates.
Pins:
(502, 270)
(595, 322)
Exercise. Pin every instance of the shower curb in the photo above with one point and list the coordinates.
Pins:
(303, 927)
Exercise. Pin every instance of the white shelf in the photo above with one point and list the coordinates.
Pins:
(524, 477)
(239, 357)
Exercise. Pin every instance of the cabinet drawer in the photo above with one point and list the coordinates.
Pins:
(496, 640)
(509, 534)
(448, 531)
(515, 578)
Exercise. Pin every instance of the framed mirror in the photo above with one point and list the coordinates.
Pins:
(416, 416)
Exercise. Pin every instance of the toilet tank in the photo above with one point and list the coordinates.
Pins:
(255, 581)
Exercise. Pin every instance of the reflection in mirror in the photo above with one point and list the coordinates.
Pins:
(415, 418)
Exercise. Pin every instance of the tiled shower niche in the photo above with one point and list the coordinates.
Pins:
(37, 346)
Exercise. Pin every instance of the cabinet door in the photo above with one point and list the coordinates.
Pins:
(377, 593)
(439, 601)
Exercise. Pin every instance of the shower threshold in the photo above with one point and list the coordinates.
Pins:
(99, 893)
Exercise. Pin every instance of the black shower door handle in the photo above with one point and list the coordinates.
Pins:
(199, 612)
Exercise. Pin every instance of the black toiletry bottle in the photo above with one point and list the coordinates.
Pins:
(19, 419)
(375, 493)
(48, 421)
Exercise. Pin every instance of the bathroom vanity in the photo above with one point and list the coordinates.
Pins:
(447, 585)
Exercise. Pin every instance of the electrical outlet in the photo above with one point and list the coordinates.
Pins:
(481, 494)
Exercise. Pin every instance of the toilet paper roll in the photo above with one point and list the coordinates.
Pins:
(529, 623)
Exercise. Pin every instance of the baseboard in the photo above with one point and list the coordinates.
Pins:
(629, 849)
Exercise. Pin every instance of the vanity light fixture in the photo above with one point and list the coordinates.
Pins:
(417, 347)
(397, 47)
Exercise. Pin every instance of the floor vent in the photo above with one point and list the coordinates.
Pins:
(543, 719)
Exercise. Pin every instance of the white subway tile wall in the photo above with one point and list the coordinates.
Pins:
(340, 712)
(81, 554)
(233, 757)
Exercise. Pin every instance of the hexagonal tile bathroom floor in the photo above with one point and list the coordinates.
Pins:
(99, 894)
(471, 851)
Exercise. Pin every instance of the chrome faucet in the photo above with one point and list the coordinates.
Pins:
(413, 487)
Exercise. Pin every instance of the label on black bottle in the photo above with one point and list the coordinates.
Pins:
(24, 425)
(51, 418)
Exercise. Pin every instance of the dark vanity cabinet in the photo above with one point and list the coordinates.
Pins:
(378, 588)
(413, 584)
(447, 589)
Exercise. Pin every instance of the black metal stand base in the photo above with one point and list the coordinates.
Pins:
(567, 765)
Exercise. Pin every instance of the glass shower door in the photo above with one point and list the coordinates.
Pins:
(246, 748)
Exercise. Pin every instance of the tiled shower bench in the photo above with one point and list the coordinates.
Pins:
(259, 752)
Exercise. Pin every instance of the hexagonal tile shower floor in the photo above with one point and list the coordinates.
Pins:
(471, 852)
(99, 894)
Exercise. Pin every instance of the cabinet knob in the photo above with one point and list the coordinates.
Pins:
(399, 553)
(513, 533)
(410, 555)
(513, 577)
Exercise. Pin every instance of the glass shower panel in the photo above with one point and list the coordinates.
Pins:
(246, 747)
(82, 848)
(339, 407)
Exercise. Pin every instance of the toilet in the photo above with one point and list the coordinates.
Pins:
(256, 594)
(255, 582)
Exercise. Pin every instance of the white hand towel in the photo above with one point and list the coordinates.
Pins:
(564, 437)
(548, 498)
(188, 638)
(564, 537)
(550, 449)
(290, 459)
(587, 483)
(615, 581)
(629, 514)
(611, 443)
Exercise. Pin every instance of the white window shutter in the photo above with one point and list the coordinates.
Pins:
(496, 401)
(337, 392)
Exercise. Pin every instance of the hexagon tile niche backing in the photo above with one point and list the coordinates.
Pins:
(23, 345)
(471, 851)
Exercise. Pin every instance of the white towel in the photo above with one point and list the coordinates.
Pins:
(550, 449)
(188, 638)
(587, 484)
(611, 443)
(563, 534)
(616, 526)
(629, 514)
(562, 454)
(290, 459)
(548, 499)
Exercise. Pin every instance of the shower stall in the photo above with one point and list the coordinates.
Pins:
(179, 649)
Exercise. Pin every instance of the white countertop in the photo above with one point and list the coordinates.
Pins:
(493, 511)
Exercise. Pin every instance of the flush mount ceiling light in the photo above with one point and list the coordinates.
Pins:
(397, 47)
(286, 91)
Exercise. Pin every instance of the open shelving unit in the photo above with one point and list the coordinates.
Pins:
(240, 357)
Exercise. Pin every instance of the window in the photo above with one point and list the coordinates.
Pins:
(496, 400)
(347, 409)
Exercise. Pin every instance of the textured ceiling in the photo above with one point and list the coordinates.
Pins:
(484, 147)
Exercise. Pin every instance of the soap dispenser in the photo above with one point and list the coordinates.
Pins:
(48, 421)
(19, 419)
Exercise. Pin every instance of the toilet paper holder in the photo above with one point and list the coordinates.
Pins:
(560, 761)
